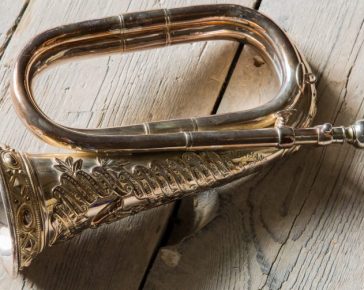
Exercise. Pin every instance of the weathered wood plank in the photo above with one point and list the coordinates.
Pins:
(11, 12)
(109, 91)
(190, 261)
(299, 225)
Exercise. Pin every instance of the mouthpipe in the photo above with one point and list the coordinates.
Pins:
(280, 137)
(355, 134)
(322, 135)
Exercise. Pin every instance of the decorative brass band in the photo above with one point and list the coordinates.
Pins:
(24, 205)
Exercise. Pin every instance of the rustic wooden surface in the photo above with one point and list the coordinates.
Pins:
(11, 13)
(296, 226)
(107, 91)
(300, 224)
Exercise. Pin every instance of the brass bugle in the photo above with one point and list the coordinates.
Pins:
(49, 198)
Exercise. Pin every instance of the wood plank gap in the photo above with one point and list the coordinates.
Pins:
(162, 242)
(14, 27)
(227, 79)
(173, 217)
(231, 70)
(257, 4)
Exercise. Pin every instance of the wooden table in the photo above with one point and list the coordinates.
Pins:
(297, 226)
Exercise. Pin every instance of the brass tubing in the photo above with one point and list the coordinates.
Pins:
(49, 198)
(135, 31)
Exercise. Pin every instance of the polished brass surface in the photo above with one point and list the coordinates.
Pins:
(158, 28)
(50, 198)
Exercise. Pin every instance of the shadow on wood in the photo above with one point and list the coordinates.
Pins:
(266, 225)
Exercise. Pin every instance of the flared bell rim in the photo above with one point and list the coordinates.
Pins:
(8, 245)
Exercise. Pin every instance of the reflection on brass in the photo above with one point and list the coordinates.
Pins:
(23, 205)
(53, 197)
(49, 198)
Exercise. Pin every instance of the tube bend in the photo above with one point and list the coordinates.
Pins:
(144, 30)
(49, 198)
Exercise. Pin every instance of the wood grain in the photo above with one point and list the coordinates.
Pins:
(11, 13)
(109, 91)
(300, 224)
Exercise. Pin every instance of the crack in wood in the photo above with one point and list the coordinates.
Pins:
(9, 34)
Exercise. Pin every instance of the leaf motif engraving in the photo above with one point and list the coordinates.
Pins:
(77, 165)
(126, 188)
(69, 161)
(61, 166)
(68, 166)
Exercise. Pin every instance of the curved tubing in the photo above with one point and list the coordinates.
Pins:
(144, 30)
(68, 193)
(50, 198)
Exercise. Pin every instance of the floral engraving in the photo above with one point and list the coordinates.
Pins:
(114, 182)
(24, 204)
